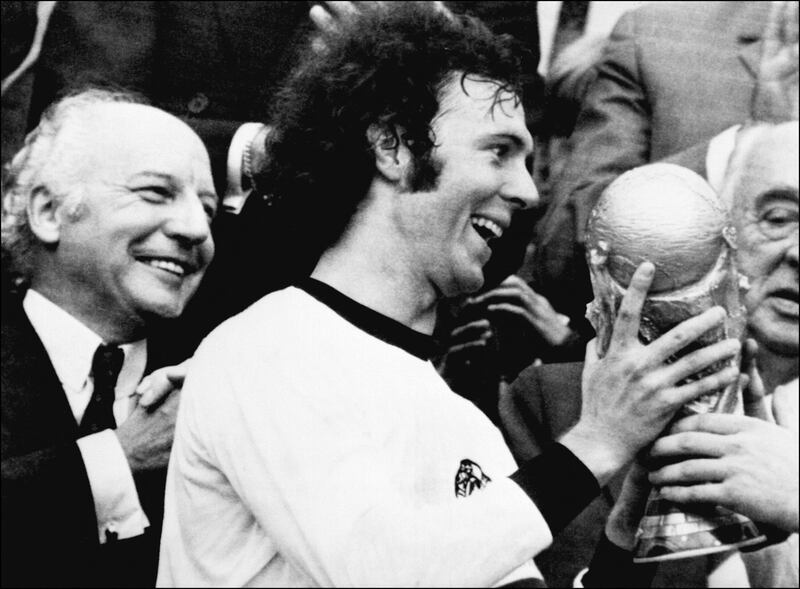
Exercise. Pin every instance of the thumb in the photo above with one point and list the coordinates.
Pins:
(785, 406)
(591, 356)
(590, 361)
(753, 393)
(755, 403)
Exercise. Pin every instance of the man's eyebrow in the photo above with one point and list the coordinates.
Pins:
(152, 175)
(778, 193)
(169, 179)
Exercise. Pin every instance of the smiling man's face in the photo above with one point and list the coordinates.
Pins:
(765, 210)
(139, 241)
(483, 156)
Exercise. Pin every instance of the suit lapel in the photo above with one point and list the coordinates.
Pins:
(35, 406)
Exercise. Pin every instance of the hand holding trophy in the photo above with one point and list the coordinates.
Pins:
(685, 231)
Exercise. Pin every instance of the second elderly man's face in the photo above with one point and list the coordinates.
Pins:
(482, 154)
(140, 241)
(766, 218)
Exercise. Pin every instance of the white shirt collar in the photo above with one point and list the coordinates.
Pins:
(71, 346)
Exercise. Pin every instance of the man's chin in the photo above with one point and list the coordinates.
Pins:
(468, 283)
(780, 337)
(162, 308)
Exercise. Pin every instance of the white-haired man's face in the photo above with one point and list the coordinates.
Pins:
(138, 242)
(765, 210)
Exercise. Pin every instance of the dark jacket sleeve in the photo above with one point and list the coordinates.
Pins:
(616, 131)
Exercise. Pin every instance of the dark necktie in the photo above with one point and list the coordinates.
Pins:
(99, 414)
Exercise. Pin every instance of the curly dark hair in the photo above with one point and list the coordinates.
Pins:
(384, 67)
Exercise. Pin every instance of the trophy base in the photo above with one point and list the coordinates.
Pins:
(670, 533)
(671, 554)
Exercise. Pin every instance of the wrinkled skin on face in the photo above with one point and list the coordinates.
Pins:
(138, 242)
(764, 200)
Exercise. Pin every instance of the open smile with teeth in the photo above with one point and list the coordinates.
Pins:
(486, 228)
(168, 265)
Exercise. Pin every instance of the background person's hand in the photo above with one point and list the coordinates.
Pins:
(775, 97)
(160, 383)
(503, 330)
(146, 436)
(515, 299)
(747, 464)
(328, 15)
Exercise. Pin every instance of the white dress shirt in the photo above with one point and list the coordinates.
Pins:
(71, 346)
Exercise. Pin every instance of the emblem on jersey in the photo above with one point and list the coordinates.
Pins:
(469, 477)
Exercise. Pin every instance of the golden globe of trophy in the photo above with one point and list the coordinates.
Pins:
(670, 216)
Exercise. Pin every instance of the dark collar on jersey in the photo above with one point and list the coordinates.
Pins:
(384, 328)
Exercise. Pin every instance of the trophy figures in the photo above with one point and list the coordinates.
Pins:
(670, 216)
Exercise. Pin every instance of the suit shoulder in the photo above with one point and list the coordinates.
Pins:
(686, 20)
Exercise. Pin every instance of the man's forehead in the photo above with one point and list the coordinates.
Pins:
(769, 165)
(135, 136)
(484, 104)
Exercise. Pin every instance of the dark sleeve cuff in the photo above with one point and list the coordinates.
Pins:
(559, 483)
(613, 566)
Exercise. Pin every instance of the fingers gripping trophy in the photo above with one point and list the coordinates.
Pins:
(670, 216)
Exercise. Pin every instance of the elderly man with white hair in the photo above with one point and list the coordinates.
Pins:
(105, 226)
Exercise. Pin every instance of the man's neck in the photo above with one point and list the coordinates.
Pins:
(370, 269)
(112, 329)
(776, 369)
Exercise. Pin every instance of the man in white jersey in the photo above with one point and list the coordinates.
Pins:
(316, 444)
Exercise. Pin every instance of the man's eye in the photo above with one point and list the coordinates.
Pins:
(780, 215)
(211, 210)
(154, 193)
(778, 222)
(501, 149)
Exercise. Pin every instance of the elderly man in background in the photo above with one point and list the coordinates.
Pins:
(674, 79)
(105, 227)
(747, 464)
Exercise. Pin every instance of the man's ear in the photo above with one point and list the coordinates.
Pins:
(392, 156)
(44, 217)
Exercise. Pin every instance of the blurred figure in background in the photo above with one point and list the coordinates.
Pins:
(672, 77)
(750, 464)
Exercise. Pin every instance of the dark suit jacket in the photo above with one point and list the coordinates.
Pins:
(49, 529)
(540, 406)
(215, 64)
(673, 75)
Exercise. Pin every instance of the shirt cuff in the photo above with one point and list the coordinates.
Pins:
(116, 502)
(720, 149)
(559, 484)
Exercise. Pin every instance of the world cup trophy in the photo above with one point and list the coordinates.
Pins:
(670, 216)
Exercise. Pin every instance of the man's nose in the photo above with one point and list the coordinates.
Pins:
(792, 254)
(188, 221)
(520, 189)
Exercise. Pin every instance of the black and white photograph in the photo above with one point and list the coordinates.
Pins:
(400, 293)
